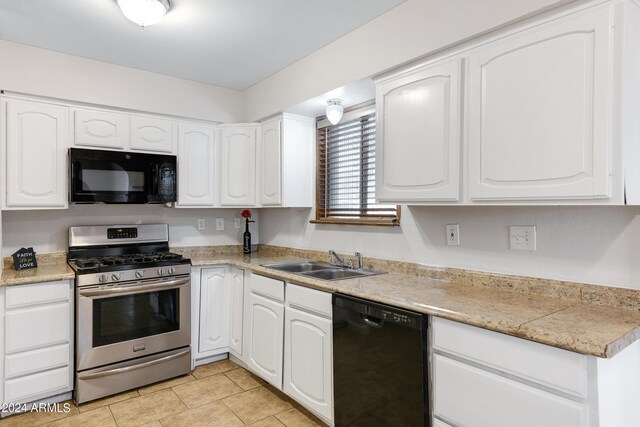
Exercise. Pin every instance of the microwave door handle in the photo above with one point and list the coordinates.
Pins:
(155, 179)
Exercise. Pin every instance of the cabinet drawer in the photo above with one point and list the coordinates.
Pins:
(267, 287)
(309, 299)
(469, 396)
(550, 366)
(39, 293)
(38, 386)
(36, 360)
(36, 327)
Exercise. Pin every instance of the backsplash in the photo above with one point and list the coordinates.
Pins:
(588, 244)
(47, 230)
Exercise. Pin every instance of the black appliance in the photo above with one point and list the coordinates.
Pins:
(100, 176)
(379, 364)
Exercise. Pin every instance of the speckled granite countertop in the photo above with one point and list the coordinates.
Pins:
(51, 267)
(588, 319)
(568, 323)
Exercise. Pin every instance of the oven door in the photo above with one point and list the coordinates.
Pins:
(100, 176)
(131, 320)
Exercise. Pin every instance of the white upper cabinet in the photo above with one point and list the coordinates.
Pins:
(151, 134)
(418, 135)
(238, 165)
(100, 129)
(286, 162)
(271, 163)
(37, 138)
(538, 112)
(196, 165)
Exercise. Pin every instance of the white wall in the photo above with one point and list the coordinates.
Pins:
(44, 72)
(47, 231)
(599, 245)
(413, 29)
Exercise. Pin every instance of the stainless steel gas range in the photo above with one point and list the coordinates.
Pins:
(132, 308)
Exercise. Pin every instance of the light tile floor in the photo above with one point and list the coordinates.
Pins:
(218, 394)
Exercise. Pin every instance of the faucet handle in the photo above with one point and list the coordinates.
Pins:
(359, 256)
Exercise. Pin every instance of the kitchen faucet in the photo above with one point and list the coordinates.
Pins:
(340, 261)
(334, 256)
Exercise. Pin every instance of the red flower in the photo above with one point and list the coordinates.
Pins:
(246, 213)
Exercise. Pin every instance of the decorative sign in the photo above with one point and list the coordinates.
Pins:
(24, 258)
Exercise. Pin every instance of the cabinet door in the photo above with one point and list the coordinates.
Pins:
(149, 134)
(266, 318)
(467, 396)
(308, 367)
(271, 163)
(418, 146)
(101, 129)
(539, 112)
(238, 166)
(196, 165)
(37, 142)
(237, 309)
(214, 310)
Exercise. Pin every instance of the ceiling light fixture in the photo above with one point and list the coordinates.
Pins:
(144, 12)
(334, 110)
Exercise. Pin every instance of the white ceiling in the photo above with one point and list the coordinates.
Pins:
(230, 43)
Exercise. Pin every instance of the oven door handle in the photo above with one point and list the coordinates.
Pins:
(134, 289)
(133, 367)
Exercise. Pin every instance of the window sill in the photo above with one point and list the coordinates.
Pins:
(373, 223)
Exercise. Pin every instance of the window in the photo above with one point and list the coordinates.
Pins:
(345, 184)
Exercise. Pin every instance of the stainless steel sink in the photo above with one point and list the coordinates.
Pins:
(322, 270)
(341, 273)
(300, 267)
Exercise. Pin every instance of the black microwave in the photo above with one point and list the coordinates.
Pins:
(100, 176)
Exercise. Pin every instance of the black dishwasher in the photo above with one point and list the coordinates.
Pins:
(379, 364)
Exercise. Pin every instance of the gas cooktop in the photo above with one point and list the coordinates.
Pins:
(96, 264)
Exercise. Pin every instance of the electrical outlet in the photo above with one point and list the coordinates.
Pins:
(219, 224)
(453, 234)
(237, 222)
(522, 237)
(201, 225)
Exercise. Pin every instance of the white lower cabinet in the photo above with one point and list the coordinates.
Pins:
(308, 349)
(466, 395)
(36, 354)
(484, 378)
(216, 308)
(266, 323)
(237, 310)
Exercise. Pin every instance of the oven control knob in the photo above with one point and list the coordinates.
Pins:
(115, 276)
(103, 278)
(160, 272)
(139, 274)
(171, 270)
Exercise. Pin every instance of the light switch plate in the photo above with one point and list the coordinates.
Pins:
(522, 237)
(219, 224)
(237, 222)
(201, 225)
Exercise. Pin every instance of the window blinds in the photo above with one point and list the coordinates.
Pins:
(346, 175)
